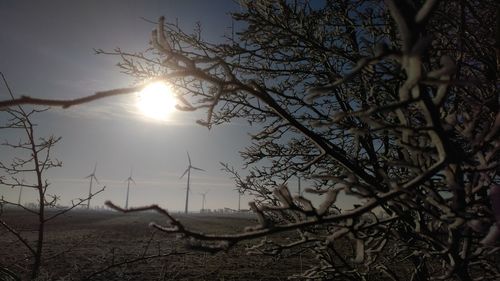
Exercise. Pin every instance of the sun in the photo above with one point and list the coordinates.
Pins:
(156, 101)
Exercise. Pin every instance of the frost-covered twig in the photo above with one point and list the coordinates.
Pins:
(80, 202)
(25, 100)
(18, 236)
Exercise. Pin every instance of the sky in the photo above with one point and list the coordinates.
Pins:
(47, 50)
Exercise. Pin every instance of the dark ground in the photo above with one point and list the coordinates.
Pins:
(81, 243)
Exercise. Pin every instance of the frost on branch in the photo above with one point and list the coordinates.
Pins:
(393, 106)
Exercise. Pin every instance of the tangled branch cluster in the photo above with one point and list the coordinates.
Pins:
(383, 105)
(394, 105)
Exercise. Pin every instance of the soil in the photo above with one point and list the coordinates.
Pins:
(89, 245)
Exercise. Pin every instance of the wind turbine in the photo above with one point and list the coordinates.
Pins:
(203, 194)
(128, 180)
(239, 200)
(20, 192)
(92, 177)
(188, 171)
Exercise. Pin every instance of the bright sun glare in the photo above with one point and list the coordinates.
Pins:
(156, 101)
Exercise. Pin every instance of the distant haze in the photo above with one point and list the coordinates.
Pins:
(46, 50)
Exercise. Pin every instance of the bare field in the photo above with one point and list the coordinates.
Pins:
(92, 245)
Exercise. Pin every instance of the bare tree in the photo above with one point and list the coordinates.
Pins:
(387, 104)
(394, 104)
(27, 170)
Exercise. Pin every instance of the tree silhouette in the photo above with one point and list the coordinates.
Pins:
(394, 105)
(28, 170)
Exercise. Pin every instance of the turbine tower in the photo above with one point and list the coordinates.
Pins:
(20, 193)
(92, 178)
(239, 201)
(239, 198)
(188, 171)
(21, 185)
(128, 180)
(203, 200)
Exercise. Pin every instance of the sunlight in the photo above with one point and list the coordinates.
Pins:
(156, 101)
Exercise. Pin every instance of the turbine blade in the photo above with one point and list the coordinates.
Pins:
(95, 167)
(199, 169)
(96, 180)
(185, 172)
(189, 158)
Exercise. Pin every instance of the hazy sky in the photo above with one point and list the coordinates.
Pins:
(46, 50)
